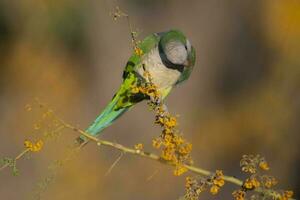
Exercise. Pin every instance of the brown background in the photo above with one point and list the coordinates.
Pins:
(242, 98)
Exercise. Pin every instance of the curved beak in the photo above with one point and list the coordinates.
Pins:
(186, 63)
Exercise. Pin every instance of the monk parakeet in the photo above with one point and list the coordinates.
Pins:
(168, 56)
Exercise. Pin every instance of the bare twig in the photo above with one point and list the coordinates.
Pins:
(152, 175)
(114, 164)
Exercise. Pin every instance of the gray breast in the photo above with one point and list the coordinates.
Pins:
(163, 77)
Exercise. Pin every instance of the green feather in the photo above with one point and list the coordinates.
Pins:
(146, 45)
(171, 36)
(120, 103)
(188, 70)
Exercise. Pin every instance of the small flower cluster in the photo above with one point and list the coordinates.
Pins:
(174, 147)
(195, 186)
(217, 182)
(250, 163)
(251, 183)
(42, 125)
(49, 124)
(33, 146)
(254, 165)
(117, 13)
(285, 195)
(278, 195)
(139, 147)
(239, 194)
(138, 51)
(268, 181)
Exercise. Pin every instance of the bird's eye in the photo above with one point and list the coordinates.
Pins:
(185, 47)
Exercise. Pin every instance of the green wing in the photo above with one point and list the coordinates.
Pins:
(124, 98)
(146, 45)
(131, 78)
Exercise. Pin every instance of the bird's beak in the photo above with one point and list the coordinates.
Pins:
(186, 63)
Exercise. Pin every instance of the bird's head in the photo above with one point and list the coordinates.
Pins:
(176, 51)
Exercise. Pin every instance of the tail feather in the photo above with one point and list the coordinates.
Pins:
(105, 119)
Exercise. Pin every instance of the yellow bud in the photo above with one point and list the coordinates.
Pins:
(219, 182)
(264, 165)
(239, 195)
(214, 190)
(139, 146)
(34, 147)
(179, 170)
(138, 51)
(27, 144)
(156, 143)
(251, 183)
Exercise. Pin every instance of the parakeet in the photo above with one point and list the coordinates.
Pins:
(168, 56)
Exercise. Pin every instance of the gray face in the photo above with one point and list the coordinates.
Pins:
(188, 46)
(176, 52)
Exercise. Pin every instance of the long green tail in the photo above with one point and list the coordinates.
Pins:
(105, 119)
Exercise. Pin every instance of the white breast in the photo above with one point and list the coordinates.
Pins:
(162, 76)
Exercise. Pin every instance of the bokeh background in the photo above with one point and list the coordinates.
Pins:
(242, 98)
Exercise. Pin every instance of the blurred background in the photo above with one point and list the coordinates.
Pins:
(242, 98)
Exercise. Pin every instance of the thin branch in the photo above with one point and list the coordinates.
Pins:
(152, 175)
